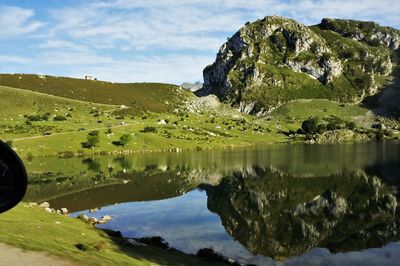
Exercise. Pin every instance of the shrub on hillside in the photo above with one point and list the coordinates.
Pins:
(331, 126)
(59, 118)
(322, 128)
(123, 140)
(91, 141)
(149, 129)
(43, 117)
(167, 134)
(310, 125)
(350, 125)
(94, 133)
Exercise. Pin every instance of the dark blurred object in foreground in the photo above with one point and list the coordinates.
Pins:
(13, 178)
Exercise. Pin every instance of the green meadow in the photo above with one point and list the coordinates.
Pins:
(55, 116)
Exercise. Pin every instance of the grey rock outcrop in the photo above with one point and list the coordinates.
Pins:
(245, 53)
(275, 60)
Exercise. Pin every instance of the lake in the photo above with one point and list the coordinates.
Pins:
(263, 205)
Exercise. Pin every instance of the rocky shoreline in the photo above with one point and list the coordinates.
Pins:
(206, 254)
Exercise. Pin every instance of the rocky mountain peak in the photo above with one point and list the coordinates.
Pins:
(276, 59)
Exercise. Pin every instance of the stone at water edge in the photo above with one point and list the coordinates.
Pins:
(44, 204)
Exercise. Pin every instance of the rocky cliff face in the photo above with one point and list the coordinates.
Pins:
(275, 59)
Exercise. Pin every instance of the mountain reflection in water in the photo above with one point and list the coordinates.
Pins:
(274, 201)
(278, 215)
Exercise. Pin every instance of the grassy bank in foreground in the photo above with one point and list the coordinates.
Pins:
(32, 228)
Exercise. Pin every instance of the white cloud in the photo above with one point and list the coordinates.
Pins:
(75, 59)
(199, 25)
(61, 44)
(153, 26)
(158, 40)
(16, 21)
(13, 59)
(169, 68)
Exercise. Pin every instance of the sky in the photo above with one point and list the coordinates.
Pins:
(147, 40)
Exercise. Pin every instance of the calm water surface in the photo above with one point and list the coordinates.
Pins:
(265, 205)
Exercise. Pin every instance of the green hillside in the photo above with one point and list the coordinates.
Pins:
(27, 114)
(154, 97)
(30, 102)
(39, 124)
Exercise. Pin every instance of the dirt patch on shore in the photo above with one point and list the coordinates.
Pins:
(18, 257)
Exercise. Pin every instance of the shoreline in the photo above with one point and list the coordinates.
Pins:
(78, 154)
(82, 243)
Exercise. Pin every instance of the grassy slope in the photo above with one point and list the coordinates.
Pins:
(297, 86)
(303, 109)
(195, 131)
(207, 129)
(184, 130)
(293, 113)
(34, 103)
(33, 229)
(12, 122)
(155, 97)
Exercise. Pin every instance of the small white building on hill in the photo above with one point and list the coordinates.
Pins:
(90, 78)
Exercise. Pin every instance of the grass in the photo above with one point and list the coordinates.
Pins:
(296, 86)
(182, 130)
(32, 228)
(36, 103)
(155, 97)
(295, 112)
(303, 109)
(192, 132)
(174, 131)
(79, 114)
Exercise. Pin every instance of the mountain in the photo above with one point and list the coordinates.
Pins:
(139, 97)
(192, 86)
(274, 60)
